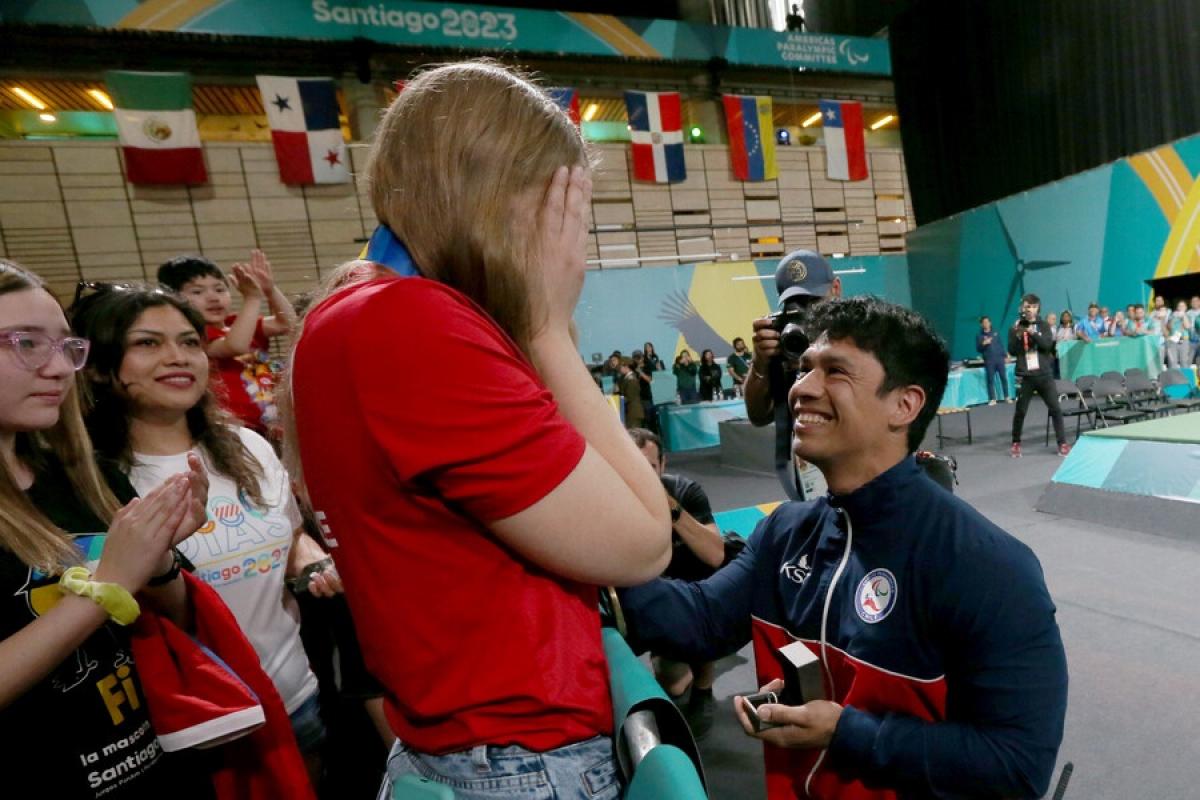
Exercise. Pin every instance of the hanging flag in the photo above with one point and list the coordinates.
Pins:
(303, 113)
(157, 126)
(751, 126)
(656, 127)
(568, 101)
(845, 144)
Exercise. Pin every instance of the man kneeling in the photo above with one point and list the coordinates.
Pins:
(942, 667)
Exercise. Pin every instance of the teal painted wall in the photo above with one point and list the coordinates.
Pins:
(1096, 236)
(620, 309)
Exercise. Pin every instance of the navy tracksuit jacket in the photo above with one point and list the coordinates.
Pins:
(940, 641)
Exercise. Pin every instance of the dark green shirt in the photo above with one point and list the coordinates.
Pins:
(740, 363)
(685, 376)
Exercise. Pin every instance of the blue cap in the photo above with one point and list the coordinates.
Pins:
(803, 273)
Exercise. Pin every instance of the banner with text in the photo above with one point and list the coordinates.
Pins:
(453, 25)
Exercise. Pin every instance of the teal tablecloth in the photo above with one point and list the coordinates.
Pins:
(968, 387)
(1109, 355)
(694, 426)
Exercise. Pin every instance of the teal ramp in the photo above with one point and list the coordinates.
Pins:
(634, 690)
(1090, 461)
(665, 772)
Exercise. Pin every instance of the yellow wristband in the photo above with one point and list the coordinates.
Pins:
(119, 604)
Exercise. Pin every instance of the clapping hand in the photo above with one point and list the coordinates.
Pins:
(244, 280)
(143, 532)
(260, 270)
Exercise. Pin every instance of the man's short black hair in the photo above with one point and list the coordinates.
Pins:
(1093, 305)
(738, 339)
(985, 316)
(1032, 299)
(174, 274)
(903, 342)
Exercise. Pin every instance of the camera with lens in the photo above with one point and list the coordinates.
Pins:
(790, 324)
(802, 278)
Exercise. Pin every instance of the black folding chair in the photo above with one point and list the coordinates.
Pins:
(1146, 396)
(1066, 390)
(1136, 372)
(1113, 375)
(1114, 405)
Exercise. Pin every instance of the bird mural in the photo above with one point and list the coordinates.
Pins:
(680, 313)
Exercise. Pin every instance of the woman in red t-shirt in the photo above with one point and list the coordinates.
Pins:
(472, 510)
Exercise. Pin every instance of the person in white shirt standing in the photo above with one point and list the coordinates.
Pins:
(150, 408)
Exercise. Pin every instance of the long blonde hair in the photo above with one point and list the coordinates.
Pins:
(24, 530)
(452, 158)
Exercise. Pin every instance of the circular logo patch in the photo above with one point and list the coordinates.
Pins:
(875, 596)
(797, 271)
(156, 129)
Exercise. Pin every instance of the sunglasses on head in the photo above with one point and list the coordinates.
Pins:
(88, 288)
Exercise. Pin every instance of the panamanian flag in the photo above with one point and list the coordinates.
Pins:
(568, 100)
(845, 142)
(656, 127)
(750, 120)
(303, 114)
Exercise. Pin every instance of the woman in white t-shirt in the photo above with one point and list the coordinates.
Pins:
(151, 406)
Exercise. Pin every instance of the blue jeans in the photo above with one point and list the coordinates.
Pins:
(991, 371)
(585, 770)
(308, 725)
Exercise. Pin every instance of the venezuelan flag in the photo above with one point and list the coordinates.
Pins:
(751, 137)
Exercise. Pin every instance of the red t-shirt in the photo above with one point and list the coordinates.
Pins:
(245, 384)
(406, 461)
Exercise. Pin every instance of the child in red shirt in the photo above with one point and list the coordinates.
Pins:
(238, 345)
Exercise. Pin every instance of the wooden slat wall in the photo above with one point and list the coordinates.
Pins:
(67, 212)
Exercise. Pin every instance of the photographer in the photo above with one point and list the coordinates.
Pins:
(1031, 342)
(802, 278)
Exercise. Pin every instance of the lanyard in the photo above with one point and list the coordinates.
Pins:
(384, 248)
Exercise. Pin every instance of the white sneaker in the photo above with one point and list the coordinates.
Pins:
(991, 402)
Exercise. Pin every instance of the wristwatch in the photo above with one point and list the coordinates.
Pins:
(171, 574)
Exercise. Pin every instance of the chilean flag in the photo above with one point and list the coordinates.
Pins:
(303, 114)
(568, 101)
(845, 143)
(656, 126)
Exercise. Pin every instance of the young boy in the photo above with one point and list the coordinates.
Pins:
(238, 345)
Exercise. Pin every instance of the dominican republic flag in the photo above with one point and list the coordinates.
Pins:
(157, 126)
(303, 113)
(656, 126)
(751, 126)
(568, 101)
(845, 144)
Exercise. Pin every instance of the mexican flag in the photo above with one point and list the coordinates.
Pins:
(157, 127)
